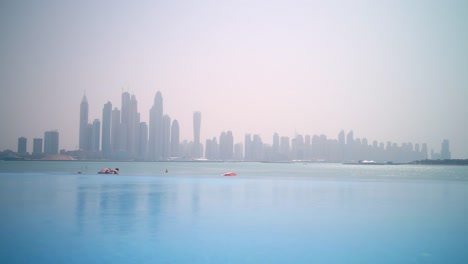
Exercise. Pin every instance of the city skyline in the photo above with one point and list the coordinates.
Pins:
(392, 71)
(129, 141)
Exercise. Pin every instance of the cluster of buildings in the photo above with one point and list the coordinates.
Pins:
(49, 145)
(122, 135)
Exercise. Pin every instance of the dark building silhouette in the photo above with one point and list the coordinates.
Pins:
(166, 137)
(22, 145)
(197, 147)
(37, 146)
(115, 131)
(106, 130)
(156, 129)
(175, 139)
(83, 140)
(445, 150)
(51, 142)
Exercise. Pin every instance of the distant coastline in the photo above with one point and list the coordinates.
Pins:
(463, 162)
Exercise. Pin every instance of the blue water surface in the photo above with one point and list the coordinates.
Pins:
(269, 213)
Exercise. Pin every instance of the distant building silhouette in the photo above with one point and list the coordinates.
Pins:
(175, 139)
(22, 145)
(115, 131)
(197, 148)
(106, 130)
(226, 146)
(37, 146)
(166, 137)
(248, 150)
(445, 150)
(83, 123)
(96, 135)
(142, 141)
(156, 129)
(51, 142)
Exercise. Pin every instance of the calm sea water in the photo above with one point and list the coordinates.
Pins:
(269, 213)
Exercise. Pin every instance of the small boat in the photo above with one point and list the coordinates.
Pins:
(109, 171)
(230, 173)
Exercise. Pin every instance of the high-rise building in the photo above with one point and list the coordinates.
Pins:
(226, 145)
(134, 127)
(238, 150)
(424, 154)
(212, 149)
(341, 145)
(257, 145)
(125, 117)
(142, 141)
(284, 148)
(445, 150)
(197, 149)
(96, 135)
(51, 142)
(166, 140)
(350, 146)
(155, 129)
(175, 139)
(106, 130)
(130, 123)
(276, 143)
(22, 145)
(83, 123)
(37, 146)
(115, 131)
(248, 150)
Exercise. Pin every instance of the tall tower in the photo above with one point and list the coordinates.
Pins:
(106, 130)
(37, 146)
(175, 139)
(22, 145)
(51, 142)
(83, 122)
(142, 141)
(166, 142)
(96, 135)
(155, 129)
(445, 150)
(125, 122)
(197, 149)
(115, 131)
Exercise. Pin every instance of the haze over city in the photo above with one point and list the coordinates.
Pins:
(388, 70)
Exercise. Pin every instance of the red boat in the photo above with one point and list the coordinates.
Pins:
(229, 174)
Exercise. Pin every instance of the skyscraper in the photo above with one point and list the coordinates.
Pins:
(248, 150)
(166, 140)
(155, 129)
(106, 130)
(96, 135)
(226, 145)
(129, 123)
(175, 139)
(341, 145)
(125, 117)
(445, 150)
(142, 141)
(349, 152)
(115, 131)
(22, 145)
(83, 122)
(37, 146)
(51, 142)
(197, 149)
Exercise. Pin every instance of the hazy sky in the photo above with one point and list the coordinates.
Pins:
(389, 70)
